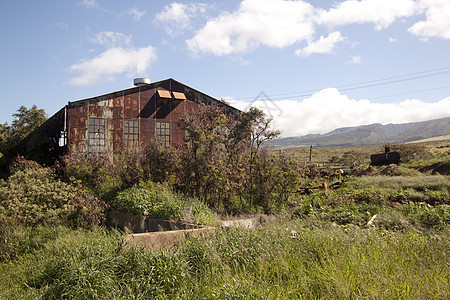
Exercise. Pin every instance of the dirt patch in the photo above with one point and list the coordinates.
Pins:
(440, 168)
(388, 169)
(364, 172)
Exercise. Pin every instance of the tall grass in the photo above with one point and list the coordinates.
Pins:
(420, 183)
(282, 260)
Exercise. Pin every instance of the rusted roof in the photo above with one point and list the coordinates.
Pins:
(167, 87)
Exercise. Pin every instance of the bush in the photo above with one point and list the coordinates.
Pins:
(89, 170)
(158, 201)
(32, 195)
(428, 216)
(152, 200)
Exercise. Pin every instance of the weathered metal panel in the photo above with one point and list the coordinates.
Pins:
(177, 113)
(131, 106)
(117, 124)
(146, 115)
(77, 124)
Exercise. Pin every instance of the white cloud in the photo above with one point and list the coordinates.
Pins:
(437, 23)
(380, 12)
(354, 59)
(272, 23)
(283, 23)
(176, 17)
(322, 45)
(112, 39)
(136, 14)
(328, 109)
(393, 40)
(113, 61)
(90, 4)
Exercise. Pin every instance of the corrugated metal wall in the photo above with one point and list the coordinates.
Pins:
(144, 105)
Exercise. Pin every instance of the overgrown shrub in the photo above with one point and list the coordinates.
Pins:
(396, 209)
(160, 163)
(152, 200)
(89, 170)
(425, 215)
(158, 201)
(409, 152)
(32, 195)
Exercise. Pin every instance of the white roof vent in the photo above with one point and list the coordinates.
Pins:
(141, 81)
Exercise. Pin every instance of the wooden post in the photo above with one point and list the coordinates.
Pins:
(310, 153)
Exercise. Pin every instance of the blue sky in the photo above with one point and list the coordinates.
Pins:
(314, 65)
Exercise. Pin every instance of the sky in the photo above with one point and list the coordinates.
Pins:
(314, 66)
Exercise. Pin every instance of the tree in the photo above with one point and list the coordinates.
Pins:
(205, 155)
(26, 121)
(11, 136)
(220, 159)
(261, 132)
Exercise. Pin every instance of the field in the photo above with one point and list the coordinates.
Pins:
(383, 235)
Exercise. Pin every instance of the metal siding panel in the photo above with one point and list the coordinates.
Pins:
(77, 123)
(147, 113)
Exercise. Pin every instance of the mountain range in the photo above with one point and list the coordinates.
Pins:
(373, 134)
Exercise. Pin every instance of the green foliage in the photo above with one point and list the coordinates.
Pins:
(419, 183)
(399, 203)
(410, 152)
(158, 201)
(88, 170)
(25, 121)
(160, 163)
(32, 195)
(152, 200)
(349, 158)
(282, 260)
(406, 172)
(428, 216)
(439, 163)
(17, 240)
(223, 161)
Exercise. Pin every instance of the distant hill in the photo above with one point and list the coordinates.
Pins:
(373, 134)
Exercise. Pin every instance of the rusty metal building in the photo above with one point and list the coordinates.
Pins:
(124, 120)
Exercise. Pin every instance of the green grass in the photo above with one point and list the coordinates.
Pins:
(418, 183)
(321, 248)
(323, 154)
(286, 259)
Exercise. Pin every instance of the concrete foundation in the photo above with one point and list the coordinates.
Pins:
(152, 233)
(156, 234)
(140, 224)
(165, 239)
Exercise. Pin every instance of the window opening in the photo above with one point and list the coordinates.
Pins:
(131, 134)
(96, 135)
(163, 133)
